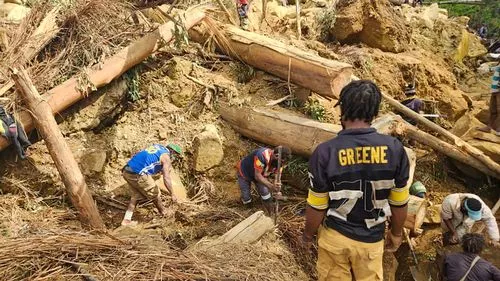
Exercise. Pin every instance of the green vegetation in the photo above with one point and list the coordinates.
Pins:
(488, 14)
(315, 109)
(132, 78)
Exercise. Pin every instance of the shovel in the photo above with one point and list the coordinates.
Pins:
(415, 273)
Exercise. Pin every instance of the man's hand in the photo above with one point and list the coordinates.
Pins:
(173, 197)
(392, 242)
(454, 238)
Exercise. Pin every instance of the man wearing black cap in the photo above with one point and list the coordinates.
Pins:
(460, 211)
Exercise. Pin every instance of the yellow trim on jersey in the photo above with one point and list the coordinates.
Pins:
(399, 196)
(318, 200)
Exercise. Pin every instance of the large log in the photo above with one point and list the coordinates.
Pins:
(323, 76)
(59, 151)
(68, 93)
(272, 127)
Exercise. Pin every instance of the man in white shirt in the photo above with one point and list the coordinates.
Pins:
(460, 211)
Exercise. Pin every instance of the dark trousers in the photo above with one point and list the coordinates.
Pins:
(16, 135)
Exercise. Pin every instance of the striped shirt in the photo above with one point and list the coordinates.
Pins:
(358, 176)
(495, 79)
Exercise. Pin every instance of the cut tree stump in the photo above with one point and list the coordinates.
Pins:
(323, 76)
(69, 92)
(59, 150)
(248, 231)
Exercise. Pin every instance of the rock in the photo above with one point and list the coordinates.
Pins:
(163, 134)
(178, 67)
(433, 215)
(451, 103)
(98, 110)
(464, 125)
(374, 23)
(208, 151)
(482, 111)
(320, 3)
(182, 97)
(93, 162)
(13, 12)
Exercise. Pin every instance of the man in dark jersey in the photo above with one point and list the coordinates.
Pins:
(358, 180)
(468, 265)
(256, 168)
(138, 174)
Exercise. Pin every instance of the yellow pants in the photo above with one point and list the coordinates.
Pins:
(339, 255)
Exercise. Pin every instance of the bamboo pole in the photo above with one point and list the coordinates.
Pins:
(476, 153)
(59, 150)
(68, 93)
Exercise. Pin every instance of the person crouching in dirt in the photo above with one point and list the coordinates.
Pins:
(257, 167)
(468, 265)
(243, 6)
(460, 211)
(359, 179)
(138, 174)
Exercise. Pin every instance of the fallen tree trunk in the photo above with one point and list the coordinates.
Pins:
(323, 76)
(59, 151)
(302, 135)
(476, 153)
(68, 93)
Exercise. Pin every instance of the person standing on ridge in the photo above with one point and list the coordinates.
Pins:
(358, 180)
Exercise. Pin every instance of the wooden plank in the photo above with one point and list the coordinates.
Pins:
(249, 230)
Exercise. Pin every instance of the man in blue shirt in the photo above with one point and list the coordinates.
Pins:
(138, 174)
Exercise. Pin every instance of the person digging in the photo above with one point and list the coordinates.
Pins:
(257, 167)
(460, 211)
(139, 171)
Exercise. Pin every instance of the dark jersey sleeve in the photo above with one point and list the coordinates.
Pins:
(318, 193)
(400, 194)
